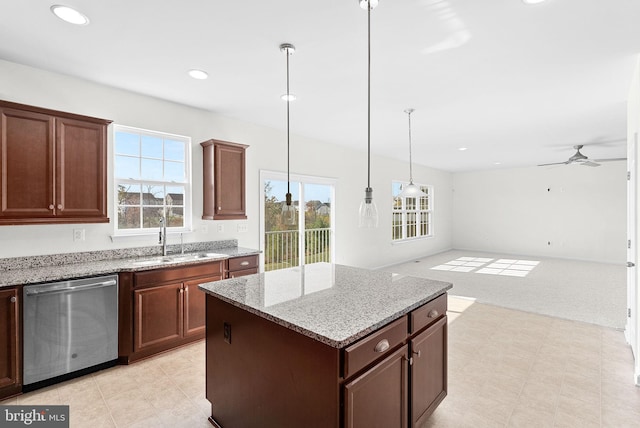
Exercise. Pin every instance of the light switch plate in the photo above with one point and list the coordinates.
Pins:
(242, 227)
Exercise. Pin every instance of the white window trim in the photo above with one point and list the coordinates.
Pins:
(188, 206)
(430, 212)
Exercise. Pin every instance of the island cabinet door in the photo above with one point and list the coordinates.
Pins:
(428, 371)
(378, 397)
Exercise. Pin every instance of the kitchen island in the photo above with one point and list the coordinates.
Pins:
(325, 345)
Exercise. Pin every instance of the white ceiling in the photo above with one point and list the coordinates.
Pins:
(516, 84)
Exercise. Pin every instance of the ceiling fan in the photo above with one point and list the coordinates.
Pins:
(580, 159)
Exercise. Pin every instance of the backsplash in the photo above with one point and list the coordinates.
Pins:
(121, 253)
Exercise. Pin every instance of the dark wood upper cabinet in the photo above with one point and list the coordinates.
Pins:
(223, 180)
(53, 166)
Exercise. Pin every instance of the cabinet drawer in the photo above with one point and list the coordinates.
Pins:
(156, 276)
(428, 313)
(369, 349)
(242, 263)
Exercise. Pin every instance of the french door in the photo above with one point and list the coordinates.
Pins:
(309, 237)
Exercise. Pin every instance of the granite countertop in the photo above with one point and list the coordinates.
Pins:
(35, 269)
(334, 304)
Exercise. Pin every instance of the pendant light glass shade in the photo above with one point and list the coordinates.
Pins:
(411, 190)
(288, 208)
(368, 211)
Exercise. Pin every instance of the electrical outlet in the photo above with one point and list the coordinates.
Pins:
(242, 227)
(221, 228)
(78, 235)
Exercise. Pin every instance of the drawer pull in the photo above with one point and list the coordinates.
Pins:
(382, 346)
(433, 314)
(245, 263)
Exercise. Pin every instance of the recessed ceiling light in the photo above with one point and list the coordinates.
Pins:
(497, 163)
(290, 97)
(198, 74)
(69, 15)
(462, 149)
(532, 1)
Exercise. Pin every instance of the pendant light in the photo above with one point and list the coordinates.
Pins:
(288, 209)
(411, 191)
(368, 209)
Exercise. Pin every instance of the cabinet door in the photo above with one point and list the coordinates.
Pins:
(194, 306)
(378, 398)
(229, 181)
(81, 151)
(157, 316)
(26, 164)
(428, 371)
(10, 372)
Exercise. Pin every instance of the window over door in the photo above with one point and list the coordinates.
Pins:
(152, 179)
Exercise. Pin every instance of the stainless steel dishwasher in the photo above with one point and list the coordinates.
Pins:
(70, 328)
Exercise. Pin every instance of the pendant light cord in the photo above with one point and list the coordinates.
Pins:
(288, 101)
(368, 94)
(410, 158)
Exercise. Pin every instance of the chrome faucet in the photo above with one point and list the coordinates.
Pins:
(163, 235)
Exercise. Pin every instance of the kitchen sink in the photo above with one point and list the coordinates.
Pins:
(178, 258)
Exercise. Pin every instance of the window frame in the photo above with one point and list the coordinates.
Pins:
(410, 216)
(187, 183)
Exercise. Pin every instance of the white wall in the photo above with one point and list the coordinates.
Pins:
(354, 246)
(579, 210)
(633, 285)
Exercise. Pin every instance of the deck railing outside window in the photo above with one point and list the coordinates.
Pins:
(281, 248)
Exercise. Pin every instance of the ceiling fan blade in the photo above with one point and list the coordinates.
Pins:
(588, 163)
(609, 160)
(555, 163)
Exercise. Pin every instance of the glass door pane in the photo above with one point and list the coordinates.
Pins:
(317, 222)
(282, 241)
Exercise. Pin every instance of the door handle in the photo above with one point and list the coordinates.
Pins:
(631, 264)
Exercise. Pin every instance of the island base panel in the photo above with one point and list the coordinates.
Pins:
(267, 375)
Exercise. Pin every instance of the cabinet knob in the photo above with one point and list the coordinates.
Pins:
(433, 314)
(51, 207)
(59, 206)
(13, 299)
(418, 353)
(382, 346)
(219, 208)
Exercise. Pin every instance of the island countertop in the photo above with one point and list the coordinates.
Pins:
(334, 304)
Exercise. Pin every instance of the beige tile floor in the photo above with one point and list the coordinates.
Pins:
(507, 368)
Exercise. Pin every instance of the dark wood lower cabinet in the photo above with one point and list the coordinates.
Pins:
(161, 309)
(158, 315)
(261, 374)
(428, 371)
(10, 343)
(378, 397)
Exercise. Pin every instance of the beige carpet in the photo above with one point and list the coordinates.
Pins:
(575, 290)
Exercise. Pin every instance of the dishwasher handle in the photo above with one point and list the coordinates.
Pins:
(39, 291)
